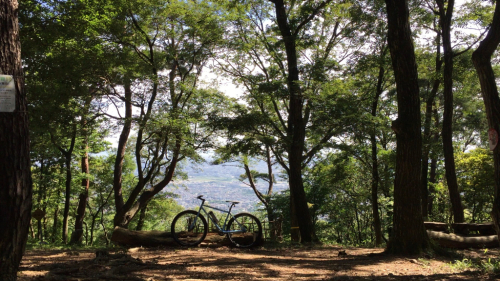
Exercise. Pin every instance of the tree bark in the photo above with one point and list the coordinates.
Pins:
(122, 146)
(408, 235)
(40, 195)
(125, 211)
(142, 218)
(375, 174)
(454, 241)
(124, 216)
(153, 238)
(433, 167)
(15, 172)
(67, 163)
(445, 16)
(296, 131)
(264, 199)
(54, 226)
(77, 235)
(482, 62)
(427, 136)
(432, 189)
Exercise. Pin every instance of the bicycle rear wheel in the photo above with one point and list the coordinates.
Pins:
(188, 228)
(249, 230)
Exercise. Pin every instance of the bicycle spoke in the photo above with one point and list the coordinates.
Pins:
(246, 230)
(189, 229)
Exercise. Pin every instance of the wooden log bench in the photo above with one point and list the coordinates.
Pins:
(473, 228)
(436, 226)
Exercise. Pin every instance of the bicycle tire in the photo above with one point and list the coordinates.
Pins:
(253, 234)
(181, 233)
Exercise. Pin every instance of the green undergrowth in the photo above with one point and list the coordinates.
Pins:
(485, 265)
(37, 246)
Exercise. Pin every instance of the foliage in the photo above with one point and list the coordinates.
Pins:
(340, 196)
(80, 55)
(489, 266)
(476, 182)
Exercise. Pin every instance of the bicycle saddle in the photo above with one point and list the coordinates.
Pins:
(233, 202)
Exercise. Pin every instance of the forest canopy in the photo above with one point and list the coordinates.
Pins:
(369, 122)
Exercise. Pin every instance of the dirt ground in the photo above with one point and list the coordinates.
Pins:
(225, 263)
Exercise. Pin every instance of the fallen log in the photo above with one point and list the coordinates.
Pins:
(153, 238)
(456, 241)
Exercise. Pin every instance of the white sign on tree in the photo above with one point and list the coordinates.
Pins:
(7, 93)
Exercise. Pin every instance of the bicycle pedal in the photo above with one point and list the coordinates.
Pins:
(221, 233)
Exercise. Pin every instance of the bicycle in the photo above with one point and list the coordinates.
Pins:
(189, 228)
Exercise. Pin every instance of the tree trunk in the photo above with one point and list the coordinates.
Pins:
(104, 228)
(125, 215)
(433, 168)
(296, 131)
(40, 232)
(67, 200)
(142, 218)
(15, 172)
(482, 62)
(54, 226)
(432, 189)
(40, 195)
(427, 136)
(375, 181)
(375, 175)
(77, 235)
(264, 199)
(92, 227)
(125, 211)
(31, 231)
(445, 16)
(408, 235)
(122, 145)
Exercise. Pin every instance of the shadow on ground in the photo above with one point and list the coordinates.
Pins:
(225, 263)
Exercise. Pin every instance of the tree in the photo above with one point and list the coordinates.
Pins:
(445, 17)
(296, 125)
(77, 235)
(15, 175)
(68, 155)
(373, 84)
(170, 45)
(408, 236)
(251, 177)
(429, 137)
(338, 190)
(50, 76)
(482, 62)
(286, 58)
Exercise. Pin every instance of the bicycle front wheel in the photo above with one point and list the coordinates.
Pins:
(245, 230)
(188, 228)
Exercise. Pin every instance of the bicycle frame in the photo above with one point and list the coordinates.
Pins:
(219, 228)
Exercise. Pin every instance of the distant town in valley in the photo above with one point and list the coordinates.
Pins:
(220, 183)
